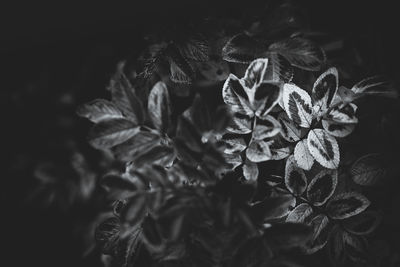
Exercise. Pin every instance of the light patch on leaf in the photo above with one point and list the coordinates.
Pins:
(302, 155)
(295, 178)
(300, 214)
(159, 107)
(324, 90)
(324, 148)
(266, 128)
(240, 124)
(258, 151)
(338, 129)
(322, 187)
(250, 171)
(255, 73)
(346, 205)
(235, 96)
(297, 104)
(233, 143)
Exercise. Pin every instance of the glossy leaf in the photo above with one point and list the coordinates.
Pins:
(346, 205)
(322, 187)
(324, 148)
(295, 178)
(99, 110)
(297, 104)
(368, 170)
(107, 134)
(159, 107)
(302, 155)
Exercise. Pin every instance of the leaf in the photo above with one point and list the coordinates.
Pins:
(194, 49)
(107, 134)
(235, 96)
(300, 52)
(375, 85)
(279, 149)
(297, 104)
(107, 235)
(123, 95)
(234, 160)
(266, 128)
(181, 71)
(345, 114)
(255, 73)
(346, 205)
(160, 155)
(324, 148)
(258, 151)
(273, 207)
(338, 129)
(302, 155)
(233, 143)
(363, 223)
(322, 187)
(99, 110)
(343, 95)
(355, 247)
(266, 97)
(279, 69)
(324, 90)
(321, 231)
(250, 171)
(139, 144)
(159, 107)
(368, 170)
(241, 48)
(300, 214)
(240, 124)
(289, 130)
(295, 178)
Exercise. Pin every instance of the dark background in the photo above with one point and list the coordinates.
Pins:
(56, 54)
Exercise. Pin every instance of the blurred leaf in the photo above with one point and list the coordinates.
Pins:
(346, 205)
(159, 107)
(107, 235)
(99, 110)
(368, 170)
(324, 90)
(273, 207)
(250, 171)
(321, 231)
(241, 48)
(288, 235)
(375, 85)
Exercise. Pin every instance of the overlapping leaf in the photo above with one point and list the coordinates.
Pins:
(289, 130)
(300, 214)
(258, 151)
(324, 90)
(297, 104)
(322, 187)
(295, 178)
(346, 205)
(266, 128)
(338, 129)
(324, 148)
(302, 155)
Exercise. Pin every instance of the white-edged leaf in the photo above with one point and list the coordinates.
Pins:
(297, 104)
(346, 205)
(258, 151)
(338, 129)
(266, 128)
(289, 130)
(324, 90)
(368, 170)
(240, 124)
(320, 225)
(234, 95)
(302, 155)
(266, 97)
(363, 223)
(250, 171)
(279, 69)
(300, 52)
(255, 73)
(159, 107)
(295, 178)
(343, 95)
(322, 187)
(109, 133)
(344, 114)
(324, 148)
(375, 85)
(234, 160)
(241, 48)
(279, 148)
(99, 110)
(233, 143)
(300, 214)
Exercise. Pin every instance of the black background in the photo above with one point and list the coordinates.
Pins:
(59, 46)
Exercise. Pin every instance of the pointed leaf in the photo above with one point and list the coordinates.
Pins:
(240, 124)
(266, 128)
(279, 69)
(255, 73)
(324, 148)
(297, 104)
(107, 134)
(338, 129)
(241, 48)
(258, 151)
(324, 90)
(159, 107)
(295, 178)
(368, 170)
(300, 214)
(302, 155)
(99, 110)
(235, 96)
(322, 187)
(346, 205)
(345, 114)
(289, 130)
(266, 97)
(233, 143)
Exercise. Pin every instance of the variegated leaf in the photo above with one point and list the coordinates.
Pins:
(250, 171)
(266, 97)
(255, 73)
(289, 130)
(297, 104)
(99, 110)
(320, 225)
(233, 143)
(235, 96)
(338, 129)
(159, 107)
(240, 124)
(346, 205)
(295, 178)
(343, 95)
(302, 155)
(344, 114)
(279, 148)
(258, 151)
(324, 90)
(324, 148)
(300, 214)
(368, 170)
(266, 128)
(322, 187)
(279, 69)
(234, 160)
(109, 133)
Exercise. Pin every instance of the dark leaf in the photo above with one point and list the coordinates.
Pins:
(346, 205)
(266, 97)
(107, 235)
(99, 110)
(279, 69)
(289, 130)
(322, 187)
(321, 231)
(375, 85)
(300, 214)
(368, 170)
(194, 49)
(288, 235)
(159, 107)
(273, 207)
(363, 223)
